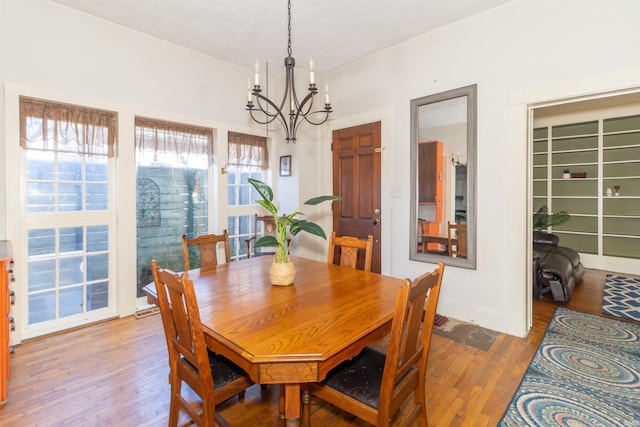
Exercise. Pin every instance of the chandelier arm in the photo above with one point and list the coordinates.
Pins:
(289, 63)
(263, 98)
(308, 99)
(287, 130)
(290, 87)
(306, 114)
(258, 120)
(326, 117)
(293, 124)
(285, 125)
(273, 117)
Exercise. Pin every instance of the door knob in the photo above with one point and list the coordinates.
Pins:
(376, 222)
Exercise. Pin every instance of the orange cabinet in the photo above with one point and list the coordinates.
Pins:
(430, 172)
(430, 185)
(6, 321)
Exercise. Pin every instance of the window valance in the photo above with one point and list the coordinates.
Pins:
(248, 150)
(67, 127)
(163, 137)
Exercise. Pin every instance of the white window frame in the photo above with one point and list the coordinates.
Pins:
(21, 224)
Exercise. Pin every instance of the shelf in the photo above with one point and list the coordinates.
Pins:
(579, 197)
(574, 151)
(607, 150)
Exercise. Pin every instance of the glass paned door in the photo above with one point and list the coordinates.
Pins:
(68, 279)
(68, 216)
(68, 272)
(242, 206)
(172, 192)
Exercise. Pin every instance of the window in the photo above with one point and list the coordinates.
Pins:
(248, 158)
(69, 154)
(172, 193)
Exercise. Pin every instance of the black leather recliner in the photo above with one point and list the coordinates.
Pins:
(557, 269)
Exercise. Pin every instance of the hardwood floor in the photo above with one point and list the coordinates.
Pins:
(115, 374)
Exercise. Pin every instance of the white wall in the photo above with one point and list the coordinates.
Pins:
(523, 47)
(53, 52)
(513, 48)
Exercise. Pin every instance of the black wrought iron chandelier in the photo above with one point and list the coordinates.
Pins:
(265, 111)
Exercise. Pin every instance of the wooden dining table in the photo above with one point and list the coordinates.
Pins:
(294, 334)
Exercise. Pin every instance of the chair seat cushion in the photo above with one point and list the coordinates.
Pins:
(224, 371)
(359, 377)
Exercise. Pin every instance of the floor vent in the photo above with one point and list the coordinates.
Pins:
(147, 312)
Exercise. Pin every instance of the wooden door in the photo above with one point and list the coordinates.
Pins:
(356, 177)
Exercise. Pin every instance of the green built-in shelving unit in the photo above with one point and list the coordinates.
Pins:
(607, 151)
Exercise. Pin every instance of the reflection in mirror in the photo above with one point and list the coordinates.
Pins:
(443, 156)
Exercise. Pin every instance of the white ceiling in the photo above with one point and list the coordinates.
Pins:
(333, 32)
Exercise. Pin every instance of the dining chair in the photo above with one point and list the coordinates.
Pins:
(345, 251)
(263, 225)
(373, 386)
(212, 377)
(208, 249)
(458, 238)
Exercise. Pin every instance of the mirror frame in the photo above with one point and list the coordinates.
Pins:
(471, 93)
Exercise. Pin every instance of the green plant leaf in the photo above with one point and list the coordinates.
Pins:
(268, 206)
(289, 219)
(287, 222)
(263, 189)
(309, 227)
(266, 241)
(320, 199)
(542, 219)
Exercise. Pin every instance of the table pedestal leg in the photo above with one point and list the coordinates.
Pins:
(292, 404)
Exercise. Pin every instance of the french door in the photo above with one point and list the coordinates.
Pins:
(68, 223)
(69, 229)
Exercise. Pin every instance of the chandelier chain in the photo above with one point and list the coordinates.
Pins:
(289, 29)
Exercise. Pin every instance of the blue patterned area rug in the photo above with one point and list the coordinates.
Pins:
(622, 297)
(586, 372)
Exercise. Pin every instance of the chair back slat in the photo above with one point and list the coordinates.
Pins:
(374, 386)
(208, 249)
(268, 225)
(458, 238)
(410, 337)
(190, 361)
(181, 321)
(263, 225)
(208, 254)
(349, 251)
(181, 339)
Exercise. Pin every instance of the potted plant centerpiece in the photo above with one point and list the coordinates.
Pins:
(282, 270)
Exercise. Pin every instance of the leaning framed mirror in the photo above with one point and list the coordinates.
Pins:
(443, 178)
